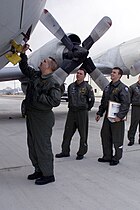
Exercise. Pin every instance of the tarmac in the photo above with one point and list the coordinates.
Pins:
(80, 184)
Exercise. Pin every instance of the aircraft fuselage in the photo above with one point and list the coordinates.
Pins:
(16, 18)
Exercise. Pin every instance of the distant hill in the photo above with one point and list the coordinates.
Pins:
(10, 91)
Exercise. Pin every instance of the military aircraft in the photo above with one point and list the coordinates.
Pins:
(16, 26)
(65, 47)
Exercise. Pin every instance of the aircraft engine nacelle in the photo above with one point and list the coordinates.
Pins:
(135, 69)
(130, 53)
(54, 49)
(126, 56)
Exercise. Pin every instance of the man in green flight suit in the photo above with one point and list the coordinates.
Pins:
(43, 93)
(112, 131)
(80, 101)
(135, 112)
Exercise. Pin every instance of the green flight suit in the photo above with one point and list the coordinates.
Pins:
(135, 111)
(80, 101)
(43, 93)
(112, 133)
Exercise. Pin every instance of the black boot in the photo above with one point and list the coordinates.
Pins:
(114, 162)
(35, 175)
(130, 143)
(102, 160)
(45, 180)
(61, 155)
(79, 157)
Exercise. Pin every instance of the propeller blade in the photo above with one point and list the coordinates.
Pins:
(100, 80)
(99, 30)
(95, 73)
(52, 25)
(66, 68)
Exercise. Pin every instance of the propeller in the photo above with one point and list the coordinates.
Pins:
(76, 54)
(53, 26)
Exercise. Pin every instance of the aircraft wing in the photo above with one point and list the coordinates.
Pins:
(14, 73)
(11, 73)
(116, 56)
(105, 69)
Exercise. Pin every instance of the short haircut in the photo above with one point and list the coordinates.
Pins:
(120, 70)
(53, 64)
(83, 70)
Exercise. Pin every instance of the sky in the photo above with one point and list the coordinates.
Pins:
(81, 16)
